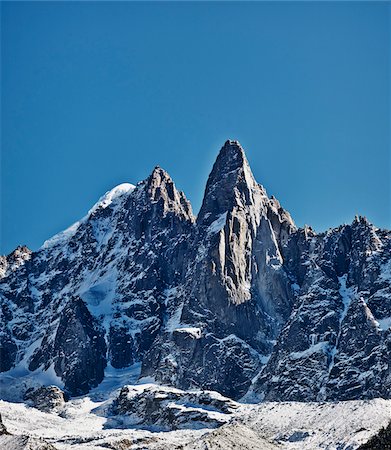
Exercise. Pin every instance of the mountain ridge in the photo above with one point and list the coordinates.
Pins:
(236, 299)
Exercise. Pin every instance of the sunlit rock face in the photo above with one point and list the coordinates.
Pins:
(236, 291)
(237, 300)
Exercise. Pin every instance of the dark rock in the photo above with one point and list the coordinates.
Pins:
(79, 349)
(380, 441)
(3, 429)
(8, 350)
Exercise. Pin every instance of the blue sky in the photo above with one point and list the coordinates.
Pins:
(97, 94)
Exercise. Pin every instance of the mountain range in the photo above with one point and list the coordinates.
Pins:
(237, 299)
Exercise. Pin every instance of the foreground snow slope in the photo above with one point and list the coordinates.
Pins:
(290, 425)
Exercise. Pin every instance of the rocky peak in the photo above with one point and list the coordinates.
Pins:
(22, 252)
(159, 179)
(160, 189)
(14, 260)
(231, 156)
(230, 183)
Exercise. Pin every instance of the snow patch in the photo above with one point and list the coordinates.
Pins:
(110, 196)
(193, 331)
(218, 224)
(316, 348)
(384, 324)
(62, 237)
(104, 202)
(347, 295)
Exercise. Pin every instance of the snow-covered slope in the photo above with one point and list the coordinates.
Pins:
(302, 426)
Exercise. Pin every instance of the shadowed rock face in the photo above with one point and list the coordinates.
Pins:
(381, 441)
(336, 343)
(236, 300)
(3, 429)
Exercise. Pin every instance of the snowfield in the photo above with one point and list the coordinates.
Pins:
(287, 425)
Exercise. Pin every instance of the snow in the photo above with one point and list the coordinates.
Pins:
(110, 196)
(63, 236)
(347, 295)
(218, 224)
(288, 425)
(334, 425)
(18, 379)
(384, 324)
(274, 261)
(295, 287)
(81, 425)
(114, 380)
(315, 348)
(192, 331)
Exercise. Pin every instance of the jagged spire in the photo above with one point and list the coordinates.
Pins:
(230, 158)
(230, 172)
(160, 183)
(160, 187)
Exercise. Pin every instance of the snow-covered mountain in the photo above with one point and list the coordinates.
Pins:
(237, 300)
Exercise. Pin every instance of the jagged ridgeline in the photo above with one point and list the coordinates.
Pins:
(236, 300)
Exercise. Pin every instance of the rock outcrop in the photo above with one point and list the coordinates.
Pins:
(380, 441)
(45, 398)
(171, 409)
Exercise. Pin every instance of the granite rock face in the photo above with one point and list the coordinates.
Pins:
(236, 300)
(235, 295)
(336, 344)
(3, 429)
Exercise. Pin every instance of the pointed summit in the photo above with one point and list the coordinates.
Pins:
(160, 183)
(232, 148)
(230, 182)
(158, 177)
(14, 260)
(231, 157)
(160, 188)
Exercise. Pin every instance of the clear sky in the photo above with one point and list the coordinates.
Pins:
(97, 94)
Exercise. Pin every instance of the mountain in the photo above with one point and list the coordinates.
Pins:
(236, 300)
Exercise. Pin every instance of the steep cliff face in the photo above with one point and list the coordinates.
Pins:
(236, 300)
(236, 294)
(336, 343)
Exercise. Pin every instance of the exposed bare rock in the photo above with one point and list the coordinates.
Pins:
(3, 429)
(46, 398)
(14, 260)
(171, 409)
(381, 441)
